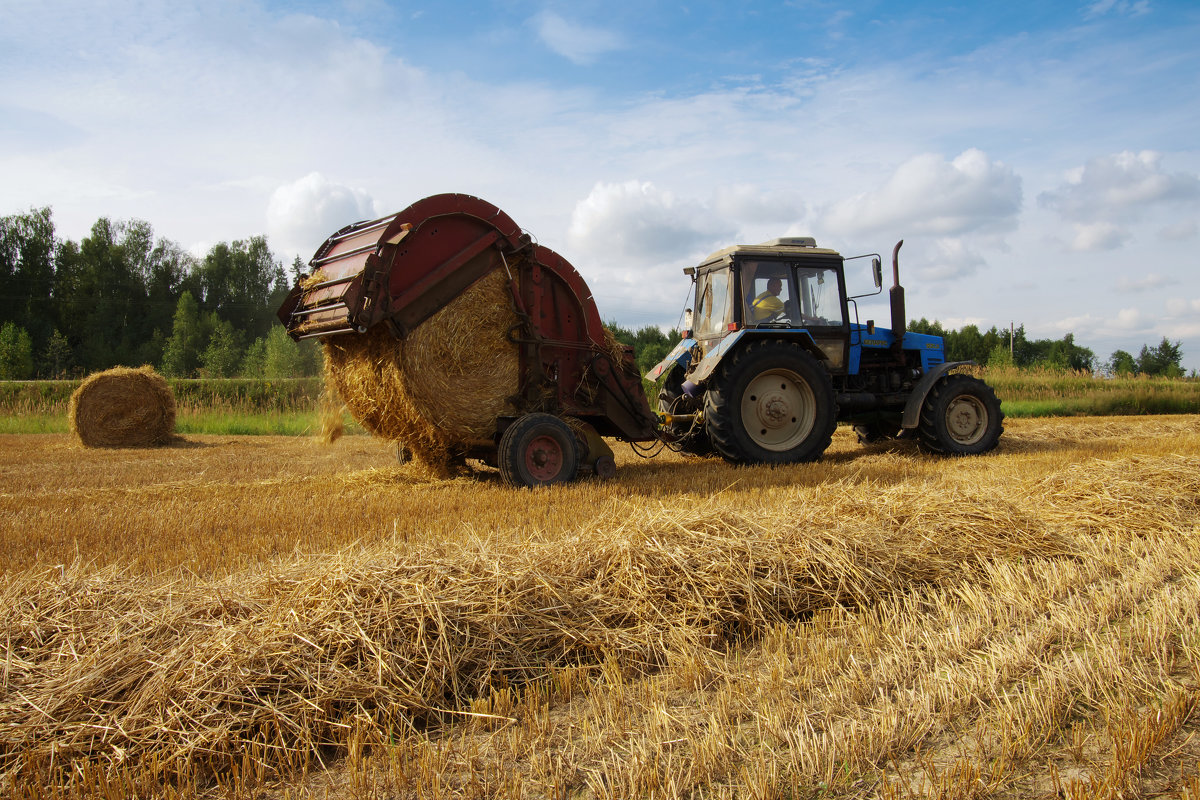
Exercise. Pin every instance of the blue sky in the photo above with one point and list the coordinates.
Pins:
(1041, 160)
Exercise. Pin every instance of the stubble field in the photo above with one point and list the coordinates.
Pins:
(244, 616)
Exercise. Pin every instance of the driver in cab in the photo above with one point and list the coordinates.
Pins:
(768, 304)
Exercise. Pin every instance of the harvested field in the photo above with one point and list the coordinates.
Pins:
(234, 612)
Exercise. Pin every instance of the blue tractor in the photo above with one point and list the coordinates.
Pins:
(773, 356)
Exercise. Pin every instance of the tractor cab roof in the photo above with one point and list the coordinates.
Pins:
(785, 246)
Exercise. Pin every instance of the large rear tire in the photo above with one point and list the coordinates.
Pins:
(772, 403)
(538, 450)
(961, 416)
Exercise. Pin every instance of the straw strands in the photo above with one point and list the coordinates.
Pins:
(106, 664)
(444, 385)
(880, 624)
(123, 407)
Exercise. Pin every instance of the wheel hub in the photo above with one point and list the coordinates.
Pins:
(544, 458)
(774, 410)
(778, 409)
(966, 419)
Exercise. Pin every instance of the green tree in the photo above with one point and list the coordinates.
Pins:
(223, 355)
(254, 363)
(57, 358)
(1161, 360)
(283, 358)
(243, 283)
(16, 353)
(1121, 363)
(181, 356)
(27, 251)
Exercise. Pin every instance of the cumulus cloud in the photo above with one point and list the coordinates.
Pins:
(1099, 236)
(748, 204)
(1180, 231)
(950, 259)
(1129, 319)
(302, 214)
(1149, 281)
(1119, 187)
(929, 195)
(581, 44)
(1126, 320)
(1181, 307)
(640, 223)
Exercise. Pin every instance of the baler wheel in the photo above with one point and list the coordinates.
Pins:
(961, 416)
(772, 404)
(538, 450)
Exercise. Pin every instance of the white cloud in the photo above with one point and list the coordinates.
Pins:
(928, 195)
(1180, 231)
(1151, 280)
(1098, 236)
(303, 213)
(581, 44)
(1090, 326)
(951, 259)
(1136, 8)
(747, 203)
(1129, 319)
(1119, 187)
(1181, 307)
(641, 224)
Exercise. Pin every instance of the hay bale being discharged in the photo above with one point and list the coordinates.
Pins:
(123, 407)
(441, 387)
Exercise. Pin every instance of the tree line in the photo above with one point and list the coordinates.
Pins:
(121, 296)
(997, 347)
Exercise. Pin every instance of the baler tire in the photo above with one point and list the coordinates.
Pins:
(794, 423)
(538, 450)
(960, 416)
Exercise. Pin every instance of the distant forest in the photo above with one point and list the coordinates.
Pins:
(121, 296)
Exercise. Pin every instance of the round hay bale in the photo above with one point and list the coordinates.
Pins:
(444, 385)
(123, 407)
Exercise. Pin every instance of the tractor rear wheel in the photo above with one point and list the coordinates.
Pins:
(961, 416)
(538, 450)
(772, 403)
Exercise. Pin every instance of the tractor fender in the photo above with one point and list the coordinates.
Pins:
(708, 365)
(681, 355)
(912, 408)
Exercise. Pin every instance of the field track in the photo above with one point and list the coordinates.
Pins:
(882, 623)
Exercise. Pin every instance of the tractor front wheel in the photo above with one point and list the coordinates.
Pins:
(773, 403)
(961, 416)
(538, 450)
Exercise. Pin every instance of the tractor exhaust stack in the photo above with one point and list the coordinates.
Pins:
(896, 295)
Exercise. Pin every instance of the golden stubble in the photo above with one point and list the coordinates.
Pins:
(877, 624)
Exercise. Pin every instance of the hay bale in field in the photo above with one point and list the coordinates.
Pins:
(123, 407)
(444, 385)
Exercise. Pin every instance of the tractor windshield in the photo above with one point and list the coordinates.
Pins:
(786, 294)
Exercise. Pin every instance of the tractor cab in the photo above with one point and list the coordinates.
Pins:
(786, 288)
